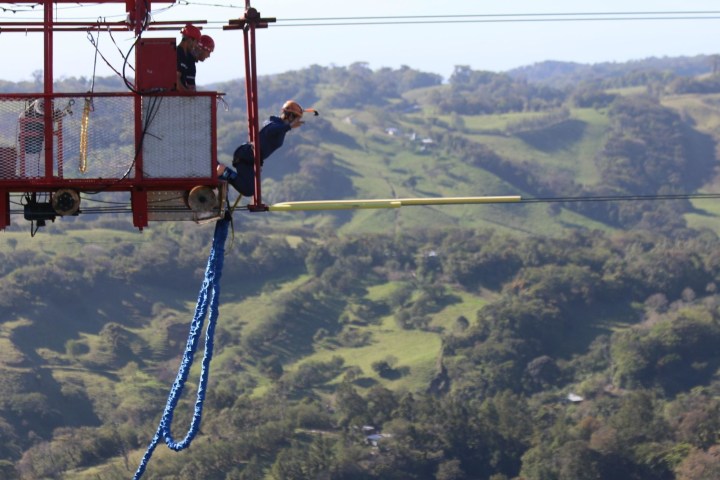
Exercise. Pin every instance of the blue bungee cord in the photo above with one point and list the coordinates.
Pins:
(209, 294)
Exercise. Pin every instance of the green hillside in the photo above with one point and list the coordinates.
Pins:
(551, 339)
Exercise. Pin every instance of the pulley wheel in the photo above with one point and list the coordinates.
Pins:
(202, 199)
(66, 202)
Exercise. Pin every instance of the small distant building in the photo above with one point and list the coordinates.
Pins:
(372, 435)
(427, 144)
(373, 439)
(574, 398)
(392, 131)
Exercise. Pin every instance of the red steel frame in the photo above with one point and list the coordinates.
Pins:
(248, 24)
(137, 185)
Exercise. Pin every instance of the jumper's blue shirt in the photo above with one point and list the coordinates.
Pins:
(272, 135)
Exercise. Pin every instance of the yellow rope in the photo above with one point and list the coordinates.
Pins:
(232, 224)
(84, 123)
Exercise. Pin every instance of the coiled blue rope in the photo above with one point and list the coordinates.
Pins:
(209, 295)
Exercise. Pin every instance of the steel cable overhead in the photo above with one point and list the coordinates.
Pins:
(622, 198)
(498, 18)
(487, 18)
(514, 20)
(446, 18)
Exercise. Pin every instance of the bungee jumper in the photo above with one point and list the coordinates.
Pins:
(271, 137)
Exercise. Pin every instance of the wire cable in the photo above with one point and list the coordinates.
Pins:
(492, 15)
(622, 198)
(280, 23)
(460, 19)
(449, 18)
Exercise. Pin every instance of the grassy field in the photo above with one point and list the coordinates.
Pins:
(68, 242)
(703, 109)
(413, 352)
(706, 216)
(703, 112)
(393, 167)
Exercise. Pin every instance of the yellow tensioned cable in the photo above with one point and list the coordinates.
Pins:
(386, 203)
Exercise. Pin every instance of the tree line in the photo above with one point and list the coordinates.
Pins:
(628, 323)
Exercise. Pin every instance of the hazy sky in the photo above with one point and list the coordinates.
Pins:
(491, 42)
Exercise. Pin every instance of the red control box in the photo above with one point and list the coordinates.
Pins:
(155, 65)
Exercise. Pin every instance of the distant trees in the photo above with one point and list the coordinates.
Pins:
(313, 374)
(592, 97)
(478, 92)
(510, 349)
(318, 178)
(629, 321)
(700, 465)
(675, 353)
(359, 86)
(385, 368)
(649, 151)
(684, 85)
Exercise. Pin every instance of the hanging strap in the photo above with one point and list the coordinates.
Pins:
(209, 295)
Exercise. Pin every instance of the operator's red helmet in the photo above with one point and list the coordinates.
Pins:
(207, 43)
(191, 31)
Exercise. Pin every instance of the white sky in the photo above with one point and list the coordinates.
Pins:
(437, 48)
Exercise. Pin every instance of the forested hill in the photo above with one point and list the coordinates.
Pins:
(638, 131)
(549, 340)
(568, 73)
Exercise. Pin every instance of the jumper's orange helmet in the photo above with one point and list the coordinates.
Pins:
(191, 31)
(291, 106)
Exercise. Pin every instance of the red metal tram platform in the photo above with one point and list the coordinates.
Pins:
(150, 140)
